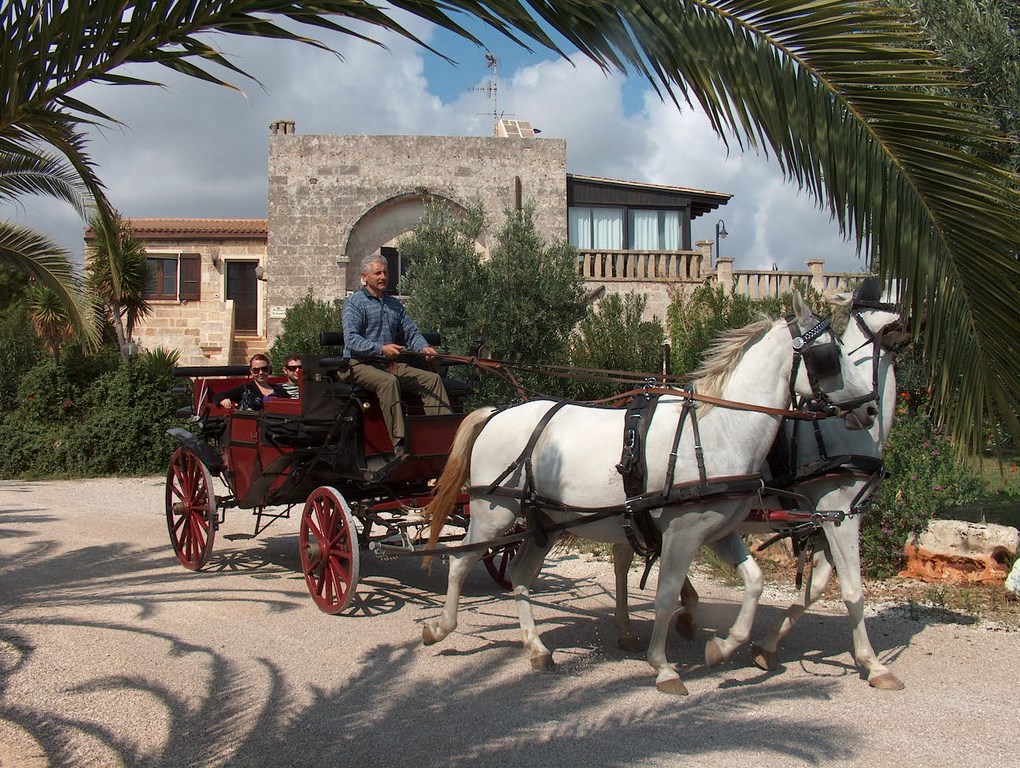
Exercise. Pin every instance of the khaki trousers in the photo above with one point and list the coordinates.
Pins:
(387, 384)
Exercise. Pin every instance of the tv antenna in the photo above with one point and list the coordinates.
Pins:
(491, 89)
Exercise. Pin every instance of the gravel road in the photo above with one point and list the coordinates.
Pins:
(111, 654)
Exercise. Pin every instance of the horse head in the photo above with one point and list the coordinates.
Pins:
(822, 371)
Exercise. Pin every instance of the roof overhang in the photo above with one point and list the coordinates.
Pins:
(586, 190)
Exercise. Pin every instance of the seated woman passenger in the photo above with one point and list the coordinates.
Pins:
(252, 395)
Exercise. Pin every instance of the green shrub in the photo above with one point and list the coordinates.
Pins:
(925, 481)
(88, 417)
(301, 328)
(20, 350)
(613, 336)
(695, 322)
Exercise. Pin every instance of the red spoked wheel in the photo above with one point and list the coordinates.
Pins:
(497, 560)
(330, 556)
(190, 509)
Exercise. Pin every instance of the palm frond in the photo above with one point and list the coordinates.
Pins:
(46, 262)
(41, 173)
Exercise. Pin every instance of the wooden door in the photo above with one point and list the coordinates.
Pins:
(242, 287)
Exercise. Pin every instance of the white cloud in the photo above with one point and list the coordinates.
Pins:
(196, 150)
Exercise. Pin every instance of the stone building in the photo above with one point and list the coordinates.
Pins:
(222, 287)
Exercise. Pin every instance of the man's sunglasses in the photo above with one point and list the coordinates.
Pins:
(292, 367)
(261, 369)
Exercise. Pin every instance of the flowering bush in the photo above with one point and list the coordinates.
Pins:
(925, 481)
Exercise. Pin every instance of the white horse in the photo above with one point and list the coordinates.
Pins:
(556, 464)
(872, 331)
(872, 326)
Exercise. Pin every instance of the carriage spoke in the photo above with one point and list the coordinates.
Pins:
(190, 509)
(329, 550)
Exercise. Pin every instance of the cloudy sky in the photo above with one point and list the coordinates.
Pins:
(195, 150)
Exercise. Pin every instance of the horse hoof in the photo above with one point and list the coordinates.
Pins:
(763, 659)
(629, 643)
(429, 636)
(674, 687)
(713, 653)
(542, 661)
(685, 626)
(886, 681)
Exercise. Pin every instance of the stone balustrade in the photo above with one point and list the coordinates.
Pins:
(613, 268)
(643, 266)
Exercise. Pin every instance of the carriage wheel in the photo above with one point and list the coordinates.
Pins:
(190, 509)
(497, 560)
(329, 550)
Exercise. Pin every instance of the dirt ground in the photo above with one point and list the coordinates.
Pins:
(111, 654)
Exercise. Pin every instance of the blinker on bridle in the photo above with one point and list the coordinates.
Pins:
(820, 362)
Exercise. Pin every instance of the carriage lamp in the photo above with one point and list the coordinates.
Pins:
(480, 349)
(720, 232)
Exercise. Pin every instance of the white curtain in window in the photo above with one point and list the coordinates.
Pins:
(607, 224)
(670, 230)
(579, 227)
(644, 230)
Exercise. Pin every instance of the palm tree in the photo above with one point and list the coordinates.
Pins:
(841, 92)
(49, 318)
(118, 251)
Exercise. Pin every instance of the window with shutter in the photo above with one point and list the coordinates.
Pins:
(173, 278)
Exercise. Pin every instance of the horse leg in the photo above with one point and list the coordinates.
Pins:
(733, 550)
(685, 622)
(486, 523)
(844, 545)
(626, 640)
(678, 550)
(523, 571)
(764, 653)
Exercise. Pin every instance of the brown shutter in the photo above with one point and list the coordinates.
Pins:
(191, 277)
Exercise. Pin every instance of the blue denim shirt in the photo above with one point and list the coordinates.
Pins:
(370, 322)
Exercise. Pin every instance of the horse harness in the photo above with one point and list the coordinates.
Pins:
(641, 531)
(788, 470)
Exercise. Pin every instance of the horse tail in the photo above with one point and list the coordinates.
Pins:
(450, 483)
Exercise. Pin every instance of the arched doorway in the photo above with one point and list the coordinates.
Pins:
(382, 226)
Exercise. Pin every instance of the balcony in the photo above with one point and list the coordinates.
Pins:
(642, 266)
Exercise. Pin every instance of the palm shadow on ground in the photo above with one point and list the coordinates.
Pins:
(490, 708)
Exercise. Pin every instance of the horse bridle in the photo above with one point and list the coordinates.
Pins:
(891, 337)
(821, 361)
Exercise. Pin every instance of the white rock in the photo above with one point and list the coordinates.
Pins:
(955, 537)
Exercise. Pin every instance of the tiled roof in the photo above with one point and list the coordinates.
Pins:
(196, 229)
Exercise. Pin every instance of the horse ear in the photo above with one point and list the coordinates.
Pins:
(841, 299)
(801, 309)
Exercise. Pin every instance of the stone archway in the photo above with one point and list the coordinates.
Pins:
(385, 223)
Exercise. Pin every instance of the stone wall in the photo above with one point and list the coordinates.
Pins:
(321, 188)
(202, 331)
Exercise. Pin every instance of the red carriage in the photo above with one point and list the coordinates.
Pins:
(329, 452)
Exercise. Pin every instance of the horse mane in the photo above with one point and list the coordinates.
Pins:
(724, 354)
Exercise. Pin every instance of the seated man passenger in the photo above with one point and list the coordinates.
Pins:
(373, 324)
(252, 394)
(293, 370)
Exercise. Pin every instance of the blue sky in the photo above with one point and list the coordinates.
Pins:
(194, 150)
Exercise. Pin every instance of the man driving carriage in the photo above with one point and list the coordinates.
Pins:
(377, 330)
